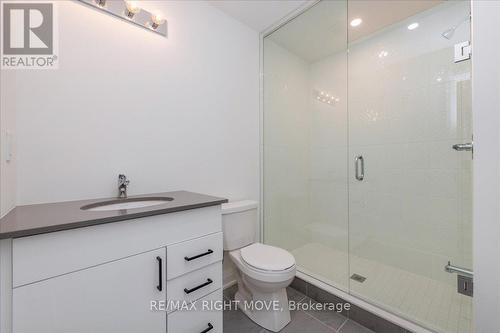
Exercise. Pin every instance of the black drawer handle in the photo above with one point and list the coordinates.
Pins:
(209, 328)
(189, 291)
(160, 278)
(199, 255)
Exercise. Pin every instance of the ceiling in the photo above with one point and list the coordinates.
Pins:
(324, 29)
(321, 30)
(258, 14)
(317, 33)
(378, 14)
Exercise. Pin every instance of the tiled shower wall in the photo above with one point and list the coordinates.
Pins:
(286, 148)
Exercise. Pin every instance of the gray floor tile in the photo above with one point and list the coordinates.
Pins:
(311, 321)
(236, 321)
(353, 327)
(323, 296)
(304, 323)
(330, 318)
(229, 292)
(294, 295)
(372, 321)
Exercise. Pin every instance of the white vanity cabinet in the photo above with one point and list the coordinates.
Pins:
(111, 277)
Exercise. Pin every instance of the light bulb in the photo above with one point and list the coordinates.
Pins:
(132, 8)
(157, 20)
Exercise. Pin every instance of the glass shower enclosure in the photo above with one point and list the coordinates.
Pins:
(367, 171)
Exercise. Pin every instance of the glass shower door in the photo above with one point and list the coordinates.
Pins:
(410, 197)
(305, 141)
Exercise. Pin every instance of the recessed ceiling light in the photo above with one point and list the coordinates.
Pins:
(356, 22)
(413, 26)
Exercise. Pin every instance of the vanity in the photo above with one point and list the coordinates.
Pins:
(84, 266)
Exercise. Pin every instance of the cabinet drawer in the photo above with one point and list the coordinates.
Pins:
(195, 285)
(193, 254)
(198, 320)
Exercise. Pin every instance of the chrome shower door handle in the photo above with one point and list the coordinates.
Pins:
(359, 163)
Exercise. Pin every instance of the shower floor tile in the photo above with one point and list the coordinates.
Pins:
(434, 304)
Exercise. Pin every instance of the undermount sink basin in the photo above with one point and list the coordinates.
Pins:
(130, 203)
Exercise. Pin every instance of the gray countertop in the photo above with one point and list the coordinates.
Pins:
(43, 218)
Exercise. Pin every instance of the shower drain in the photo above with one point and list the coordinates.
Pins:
(358, 278)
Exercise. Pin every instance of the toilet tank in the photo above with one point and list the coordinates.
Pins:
(239, 223)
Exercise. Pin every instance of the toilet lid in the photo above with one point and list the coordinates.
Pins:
(267, 257)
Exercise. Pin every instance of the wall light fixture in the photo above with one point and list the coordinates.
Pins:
(131, 12)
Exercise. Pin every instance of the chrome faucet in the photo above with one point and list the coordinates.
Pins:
(122, 186)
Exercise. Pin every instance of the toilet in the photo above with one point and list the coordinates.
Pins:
(264, 271)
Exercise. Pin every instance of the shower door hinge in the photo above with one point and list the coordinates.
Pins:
(463, 51)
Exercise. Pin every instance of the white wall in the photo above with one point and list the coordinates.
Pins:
(7, 128)
(486, 105)
(172, 114)
(176, 113)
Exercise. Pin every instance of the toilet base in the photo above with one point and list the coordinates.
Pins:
(269, 318)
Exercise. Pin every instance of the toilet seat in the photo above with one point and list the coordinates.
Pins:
(267, 258)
